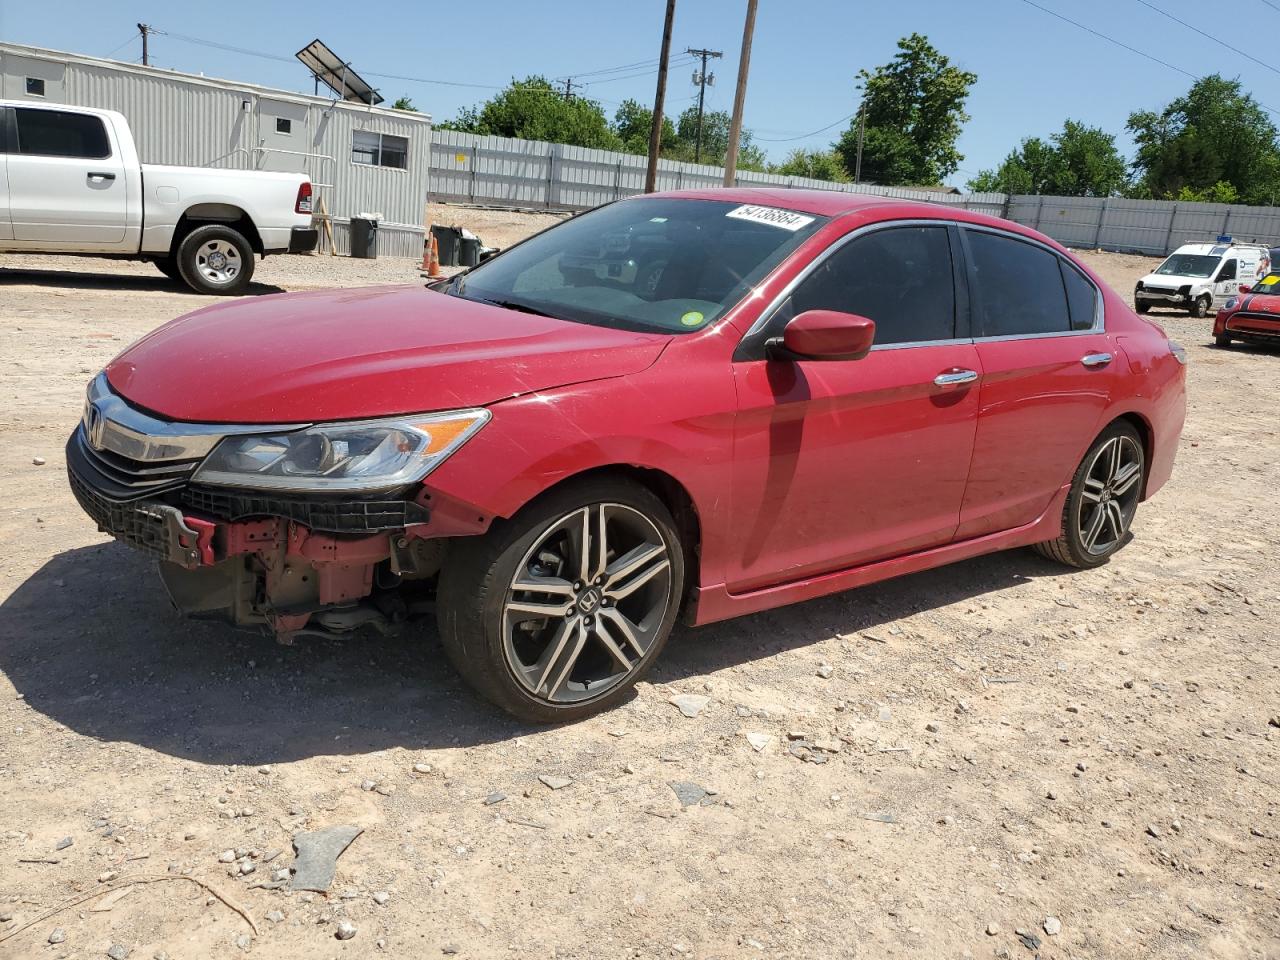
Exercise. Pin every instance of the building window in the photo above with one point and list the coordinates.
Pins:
(35, 87)
(284, 125)
(379, 150)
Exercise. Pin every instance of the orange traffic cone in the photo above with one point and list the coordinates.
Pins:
(433, 253)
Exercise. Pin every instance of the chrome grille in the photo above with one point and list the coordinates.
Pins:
(137, 475)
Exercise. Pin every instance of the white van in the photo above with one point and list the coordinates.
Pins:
(1200, 276)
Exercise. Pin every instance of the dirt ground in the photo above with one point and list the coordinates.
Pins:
(1015, 750)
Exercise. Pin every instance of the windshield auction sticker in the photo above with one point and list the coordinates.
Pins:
(771, 216)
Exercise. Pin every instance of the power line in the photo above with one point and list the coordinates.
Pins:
(132, 37)
(1125, 46)
(1209, 36)
(1271, 5)
(805, 136)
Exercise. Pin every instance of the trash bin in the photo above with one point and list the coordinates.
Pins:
(364, 238)
(469, 252)
(447, 240)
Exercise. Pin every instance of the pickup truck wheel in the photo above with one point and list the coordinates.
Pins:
(169, 267)
(215, 259)
(1103, 500)
(555, 614)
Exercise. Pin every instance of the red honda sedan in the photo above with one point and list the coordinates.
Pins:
(711, 402)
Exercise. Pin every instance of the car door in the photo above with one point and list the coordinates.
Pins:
(1048, 371)
(67, 185)
(1226, 283)
(840, 463)
(6, 230)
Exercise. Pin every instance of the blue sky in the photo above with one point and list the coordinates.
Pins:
(1033, 71)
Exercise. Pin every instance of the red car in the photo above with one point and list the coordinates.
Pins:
(1253, 317)
(711, 402)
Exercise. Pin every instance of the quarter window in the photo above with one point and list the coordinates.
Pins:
(1082, 297)
(52, 133)
(379, 150)
(1020, 287)
(899, 277)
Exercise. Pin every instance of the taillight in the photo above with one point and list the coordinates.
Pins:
(304, 198)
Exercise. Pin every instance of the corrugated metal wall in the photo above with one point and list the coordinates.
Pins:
(186, 120)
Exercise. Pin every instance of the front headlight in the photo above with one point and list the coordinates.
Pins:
(329, 457)
(1231, 304)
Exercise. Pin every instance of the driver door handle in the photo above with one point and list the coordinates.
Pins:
(96, 177)
(953, 378)
(1096, 359)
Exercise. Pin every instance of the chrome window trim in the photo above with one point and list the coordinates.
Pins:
(1099, 305)
(110, 423)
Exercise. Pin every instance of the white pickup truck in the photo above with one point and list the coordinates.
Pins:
(71, 182)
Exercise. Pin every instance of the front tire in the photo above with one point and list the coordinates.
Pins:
(169, 267)
(1222, 340)
(1103, 500)
(555, 614)
(1142, 307)
(1200, 309)
(215, 259)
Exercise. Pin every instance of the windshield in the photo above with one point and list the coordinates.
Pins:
(1188, 265)
(1270, 284)
(653, 265)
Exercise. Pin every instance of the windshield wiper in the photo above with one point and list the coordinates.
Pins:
(515, 305)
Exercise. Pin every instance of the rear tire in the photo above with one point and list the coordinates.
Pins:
(215, 260)
(1103, 500)
(581, 632)
(1200, 309)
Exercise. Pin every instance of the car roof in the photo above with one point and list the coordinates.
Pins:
(1216, 249)
(837, 203)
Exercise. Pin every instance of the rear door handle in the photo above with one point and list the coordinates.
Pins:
(953, 378)
(1096, 359)
(101, 176)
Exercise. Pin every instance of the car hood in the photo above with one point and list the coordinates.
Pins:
(357, 353)
(1259, 303)
(1172, 280)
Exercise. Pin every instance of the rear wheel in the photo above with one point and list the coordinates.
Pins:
(1103, 500)
(557, 613)
(1200, 309)
(215, 259)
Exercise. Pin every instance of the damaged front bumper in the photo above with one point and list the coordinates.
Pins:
(287, 563)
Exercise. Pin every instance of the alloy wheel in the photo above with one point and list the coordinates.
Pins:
(1109, 499)
(586, 603)
(218, 261)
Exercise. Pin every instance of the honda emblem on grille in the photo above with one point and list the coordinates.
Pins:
(96, 428)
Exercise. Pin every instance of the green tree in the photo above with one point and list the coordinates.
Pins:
(715, 140)
(1078, 161)
(914, 111)
(633, 123)
(532, 109)
(404, 103)
(815, 164)
(1214, 137)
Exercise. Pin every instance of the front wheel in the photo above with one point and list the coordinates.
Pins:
(1103, 500)
(1222, 340)
(169, 267)
(1200, 309)
(215, 259)
(557, 613)
(1142, 306)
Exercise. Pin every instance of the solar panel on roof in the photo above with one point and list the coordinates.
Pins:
(336, 74)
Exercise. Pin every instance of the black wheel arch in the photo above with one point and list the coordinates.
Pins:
(223, 214)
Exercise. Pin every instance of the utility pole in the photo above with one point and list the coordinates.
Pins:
(702, 79)
(568, 89)
(740, 96)
(144, 30)
(655, 131)
(862, 133)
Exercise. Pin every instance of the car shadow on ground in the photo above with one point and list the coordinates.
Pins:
(74, 280)
(90, 641)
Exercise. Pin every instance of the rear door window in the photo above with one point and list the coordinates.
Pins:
(53, 133)
(1020, 287)
(899, 277)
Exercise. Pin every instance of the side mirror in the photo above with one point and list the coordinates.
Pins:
(824, 335)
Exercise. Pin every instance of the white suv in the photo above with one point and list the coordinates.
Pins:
(1200, 276)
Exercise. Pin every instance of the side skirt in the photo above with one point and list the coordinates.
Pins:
(713, 603)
